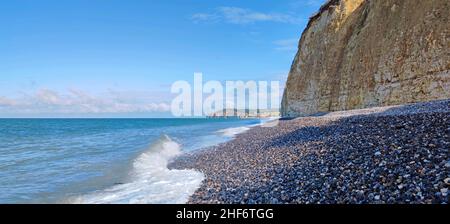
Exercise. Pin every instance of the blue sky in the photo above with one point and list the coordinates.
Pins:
(119, 58)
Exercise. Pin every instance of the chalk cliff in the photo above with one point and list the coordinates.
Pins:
(362, 53)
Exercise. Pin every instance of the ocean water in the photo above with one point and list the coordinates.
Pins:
(104, 160)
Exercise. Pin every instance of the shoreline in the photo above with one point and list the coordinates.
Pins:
(396, 154)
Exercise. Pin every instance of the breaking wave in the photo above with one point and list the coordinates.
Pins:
(151, 181)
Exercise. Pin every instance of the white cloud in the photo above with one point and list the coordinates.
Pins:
(236, 15)
(49, 97)
(77, 101)
(5, 102)
(287, 44)
(203, 17)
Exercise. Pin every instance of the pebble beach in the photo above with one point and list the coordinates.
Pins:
(383, 155)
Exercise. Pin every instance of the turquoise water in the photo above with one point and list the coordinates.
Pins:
(103, 160)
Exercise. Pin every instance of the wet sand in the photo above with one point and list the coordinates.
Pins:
(380, 155)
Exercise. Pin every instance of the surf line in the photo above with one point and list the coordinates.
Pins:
(187, 214)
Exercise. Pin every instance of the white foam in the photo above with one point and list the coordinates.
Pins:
(231, 132)
(152, 182)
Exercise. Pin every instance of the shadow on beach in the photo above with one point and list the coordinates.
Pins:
(379, 155)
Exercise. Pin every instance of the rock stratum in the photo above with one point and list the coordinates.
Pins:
(363, 53)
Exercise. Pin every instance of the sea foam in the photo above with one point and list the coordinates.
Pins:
(232, 132)
(151, 181)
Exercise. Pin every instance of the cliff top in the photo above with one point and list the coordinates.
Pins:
(327, 5)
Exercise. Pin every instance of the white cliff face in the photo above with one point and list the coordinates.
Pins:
(362, 53)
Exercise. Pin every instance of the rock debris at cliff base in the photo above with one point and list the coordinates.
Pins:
(379, 155)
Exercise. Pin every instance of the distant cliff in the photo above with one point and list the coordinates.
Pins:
(362, 53)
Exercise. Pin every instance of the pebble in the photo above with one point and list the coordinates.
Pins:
(447, 181)
(444, 192)
(274, 201)
(328, 159)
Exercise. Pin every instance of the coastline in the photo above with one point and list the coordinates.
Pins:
(149, 181)
(396, 154)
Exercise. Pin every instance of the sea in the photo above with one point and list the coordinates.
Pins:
(105, 161)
